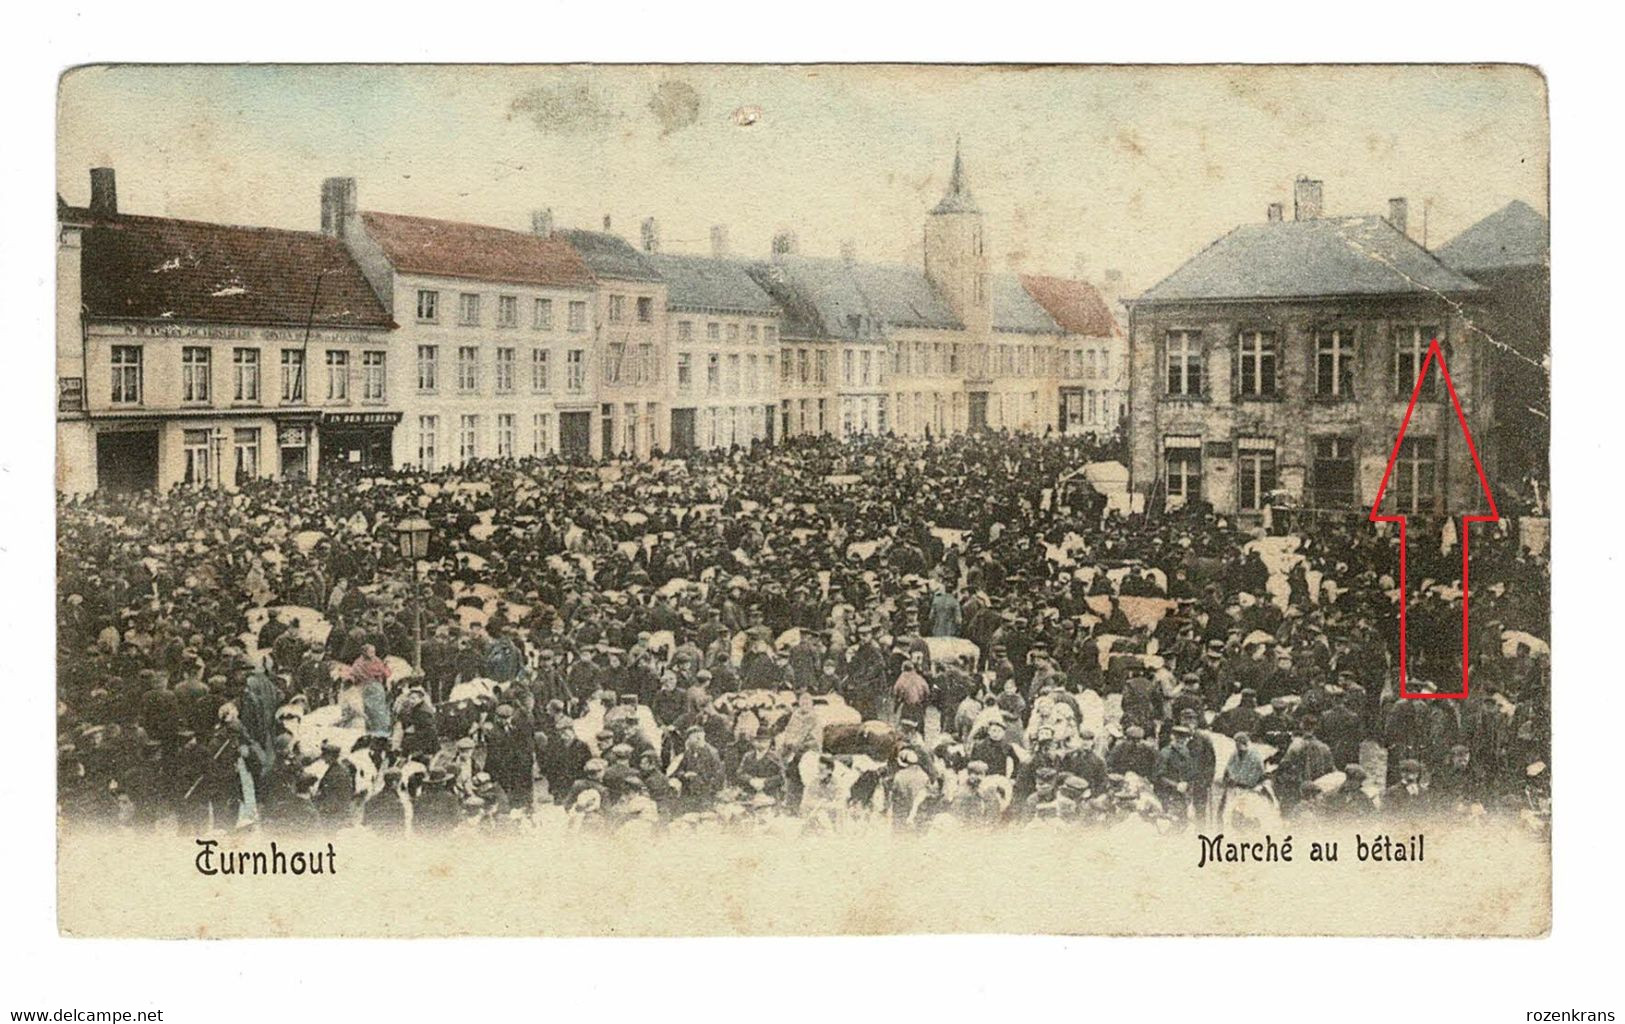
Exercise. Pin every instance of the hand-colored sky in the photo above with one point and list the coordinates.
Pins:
(1103, 167)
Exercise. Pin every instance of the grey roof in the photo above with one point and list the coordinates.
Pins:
(1513, 236)
(958, 198)
(1014, 309)
(1309, 258)
(610, 256)
(821, 296)
(706, 282)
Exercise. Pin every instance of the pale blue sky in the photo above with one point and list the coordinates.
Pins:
(1117, 167)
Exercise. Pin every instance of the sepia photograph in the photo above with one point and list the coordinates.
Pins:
(805, 499)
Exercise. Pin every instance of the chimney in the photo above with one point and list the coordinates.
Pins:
(338, 205)
(849, 252)
(103, 192)
(719, 240)
(541, 222)
(607, 227)
(651, 235)
(1276, 212)
(1306, 199)
(1398, 213)
(784, 242)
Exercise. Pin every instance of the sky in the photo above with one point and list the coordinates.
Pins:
(1076, 169)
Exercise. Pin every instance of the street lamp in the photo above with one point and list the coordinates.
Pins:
(413, 535)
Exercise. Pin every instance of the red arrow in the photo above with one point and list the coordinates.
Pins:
(1466, 520)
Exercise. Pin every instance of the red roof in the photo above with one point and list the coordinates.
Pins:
(420, 245)
(156, 268)
(1077, 306)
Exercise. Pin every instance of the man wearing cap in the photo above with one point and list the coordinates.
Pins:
(1132, 754)
(510, 755)
(1407, 795)
(760, 769)
(1175, 773)
(995, 752)
(562, 757)
(700, 771)
(334, 796)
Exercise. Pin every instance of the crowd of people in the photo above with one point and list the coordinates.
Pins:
(812, 635)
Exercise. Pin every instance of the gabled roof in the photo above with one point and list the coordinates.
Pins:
(1315, 258)
(446, 248)
(826, 295)
(1014, 309)
(710, 283)
(1513, 236)
(609, 256)
(156, 268)
(1077, 306)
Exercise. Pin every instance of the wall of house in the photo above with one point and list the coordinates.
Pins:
(736, 405)
(1293, 420)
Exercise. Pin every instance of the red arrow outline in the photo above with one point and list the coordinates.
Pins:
(1466, 520)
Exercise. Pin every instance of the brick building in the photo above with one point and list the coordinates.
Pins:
(1279, 361)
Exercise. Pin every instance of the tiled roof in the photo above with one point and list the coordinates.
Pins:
(1513, 236)
(706, 282)
(1077, 306)
(1308, 259)
(610, 256)
(837, 299)
(444, 248)
(1015, 310)
(155, 268)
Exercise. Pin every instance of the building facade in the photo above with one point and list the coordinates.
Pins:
(1276, 367)
(208, 355)
(496, 347)
(1091, 358)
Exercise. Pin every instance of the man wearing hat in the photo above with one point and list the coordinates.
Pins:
(1132, 754)
(1407, 795)
(1174, 773)
(510, 755)
(562, 757)
(335, 796)
(760, 769)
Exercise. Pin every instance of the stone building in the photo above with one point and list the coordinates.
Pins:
(209, 355)
(495, 338)
(1280, 360)
(725, 378)
(1509, 253)
(1091, 371)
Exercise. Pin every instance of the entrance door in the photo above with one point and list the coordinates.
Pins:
(682, 431)
(575, 435)
(767, 412)
(978, 411)
(127, 461)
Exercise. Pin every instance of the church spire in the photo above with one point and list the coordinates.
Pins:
(958, 198)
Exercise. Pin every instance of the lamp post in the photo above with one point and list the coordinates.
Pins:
(413, 535)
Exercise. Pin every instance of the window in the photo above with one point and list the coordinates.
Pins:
(1183, 470)
(646, 309)
(770, 335)
(293, 375)
(713, 373)
(646, 362)
(372, 376)
(752, 381)
(126, 370)
(821, 377)
(542, 318)
(245, 372)
(1184, 363)
(246, 452)
(1255, 364)
(195, 446)
(578, 316)
(428, 305)
(468, 309)
(1255, 471)
(338, 375)
(1105, 362)
(630, 420)
(954, 352)
(541, 434)
(505, 435)
(685, 331)
(751, 333)
(787, 365)
(428, 367)
(504, 368)
(1411, 489)
(1333, 472)
(468, 368)
(540, 370)
(847, 374)
(507, 311)
(733, 375)
(614, 356)
(428, 427)
(468, 438)
(617, 308)
(1410, 352)
(685, 371)
(1334, 363)
(733, 334)
(575, 369)
(194, 374)
(823, 415)
(713, 332)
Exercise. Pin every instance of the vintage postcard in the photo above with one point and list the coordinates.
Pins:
(744, 499)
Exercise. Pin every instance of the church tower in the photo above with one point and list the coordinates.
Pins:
(956, 254)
